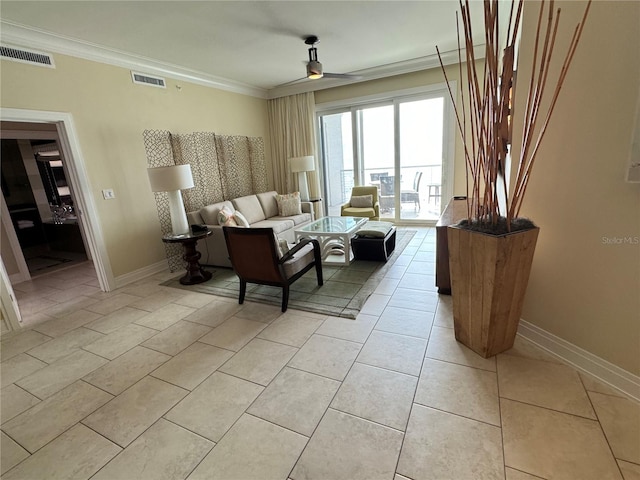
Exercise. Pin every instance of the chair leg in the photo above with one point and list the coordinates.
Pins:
(285, 298)
(243, 290)
(319, 273)
(318, 260)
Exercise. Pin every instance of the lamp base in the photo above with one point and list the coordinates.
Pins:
(179, 223)
(304, 188)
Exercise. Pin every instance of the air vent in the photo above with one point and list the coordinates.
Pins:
(26, 56)
(143, 79)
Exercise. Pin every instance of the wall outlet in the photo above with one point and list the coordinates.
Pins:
(108, 194)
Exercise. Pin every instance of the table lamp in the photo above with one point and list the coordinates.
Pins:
(172, 179)
(302, 165)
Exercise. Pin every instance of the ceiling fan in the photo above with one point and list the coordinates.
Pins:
(314, 67)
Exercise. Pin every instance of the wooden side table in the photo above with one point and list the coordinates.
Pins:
(456, 210)
(195, 272)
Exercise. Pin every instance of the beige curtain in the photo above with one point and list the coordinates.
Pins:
(293, 134)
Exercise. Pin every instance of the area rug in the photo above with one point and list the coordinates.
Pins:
(345, 289)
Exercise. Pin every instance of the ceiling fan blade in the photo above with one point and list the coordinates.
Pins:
(291, 82)
(344, 76)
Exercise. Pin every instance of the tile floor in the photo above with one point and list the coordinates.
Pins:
(149, 382)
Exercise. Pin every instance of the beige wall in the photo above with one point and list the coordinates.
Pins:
(110, 113)
(582, 289)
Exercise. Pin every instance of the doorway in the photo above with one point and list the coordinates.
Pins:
(41, 204)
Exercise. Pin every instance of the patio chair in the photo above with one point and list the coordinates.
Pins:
(412, 195)
(255, 258)
(387, 194)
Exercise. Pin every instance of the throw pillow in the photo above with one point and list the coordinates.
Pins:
(284, 246)
(226, 218)
(362, 201)
(289, 204)
(240, 219)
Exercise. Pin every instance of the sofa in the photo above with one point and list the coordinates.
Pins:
(260, 210)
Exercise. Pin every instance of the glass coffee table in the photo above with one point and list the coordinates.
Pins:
(334, 235)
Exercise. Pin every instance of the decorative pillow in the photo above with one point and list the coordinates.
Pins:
(284, 246)
(226, 218)
(289, 205)
(241, 221)
(362, 201)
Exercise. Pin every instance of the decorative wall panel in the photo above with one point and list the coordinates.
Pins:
(223, 167)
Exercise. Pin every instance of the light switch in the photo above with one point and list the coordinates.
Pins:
(108, 194)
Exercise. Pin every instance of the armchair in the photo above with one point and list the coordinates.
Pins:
(372, 212)
(255, 259)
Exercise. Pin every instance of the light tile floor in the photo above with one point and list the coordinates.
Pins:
(149, 382)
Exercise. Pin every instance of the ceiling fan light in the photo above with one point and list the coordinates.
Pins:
(314, 70)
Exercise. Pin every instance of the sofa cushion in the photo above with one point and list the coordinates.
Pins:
(300, 259)
(210, 213)
(250, 207)
(269, 204)
(296, 219)
(194, 218)
(278, 226)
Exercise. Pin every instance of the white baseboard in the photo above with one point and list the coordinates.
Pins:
(136, 275)
(584, 361)
(17, 278)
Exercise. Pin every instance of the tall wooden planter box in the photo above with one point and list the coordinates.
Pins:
(489, 276)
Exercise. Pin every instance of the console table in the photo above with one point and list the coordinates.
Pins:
(456, 210)
(195, 272)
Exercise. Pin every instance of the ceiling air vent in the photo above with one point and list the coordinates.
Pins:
(26, 56)
(144, 79)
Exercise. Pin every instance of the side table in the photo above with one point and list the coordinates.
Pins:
(195, 272)
(455, 211)
(317, 207)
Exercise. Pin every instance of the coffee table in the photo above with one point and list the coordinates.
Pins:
(334, 235)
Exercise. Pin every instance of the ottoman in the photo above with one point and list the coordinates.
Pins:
(374, 241)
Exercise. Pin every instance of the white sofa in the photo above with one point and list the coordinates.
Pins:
(260, 210)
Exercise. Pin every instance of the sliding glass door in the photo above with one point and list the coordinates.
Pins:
(420, 131)
(337, 157)
(400, 145)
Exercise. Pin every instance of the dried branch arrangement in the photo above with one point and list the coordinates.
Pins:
(484, 112)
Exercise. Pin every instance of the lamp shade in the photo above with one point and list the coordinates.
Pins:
(168, 179)
(302, 164)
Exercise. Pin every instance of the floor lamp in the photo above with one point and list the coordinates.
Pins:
(302, 165)
(171, 180)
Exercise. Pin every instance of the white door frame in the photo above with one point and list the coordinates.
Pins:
(23, 270)
(9, 302)
(79, 181)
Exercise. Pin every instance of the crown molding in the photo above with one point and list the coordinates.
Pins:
(28, 37)
(18, 35)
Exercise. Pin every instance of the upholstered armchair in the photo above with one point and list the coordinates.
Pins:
(359, 206)
(255, 258)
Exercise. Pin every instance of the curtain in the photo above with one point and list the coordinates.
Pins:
(293, 134)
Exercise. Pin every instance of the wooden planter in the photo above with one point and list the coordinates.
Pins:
(489, 276)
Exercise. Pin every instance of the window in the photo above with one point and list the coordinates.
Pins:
(401, 143)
